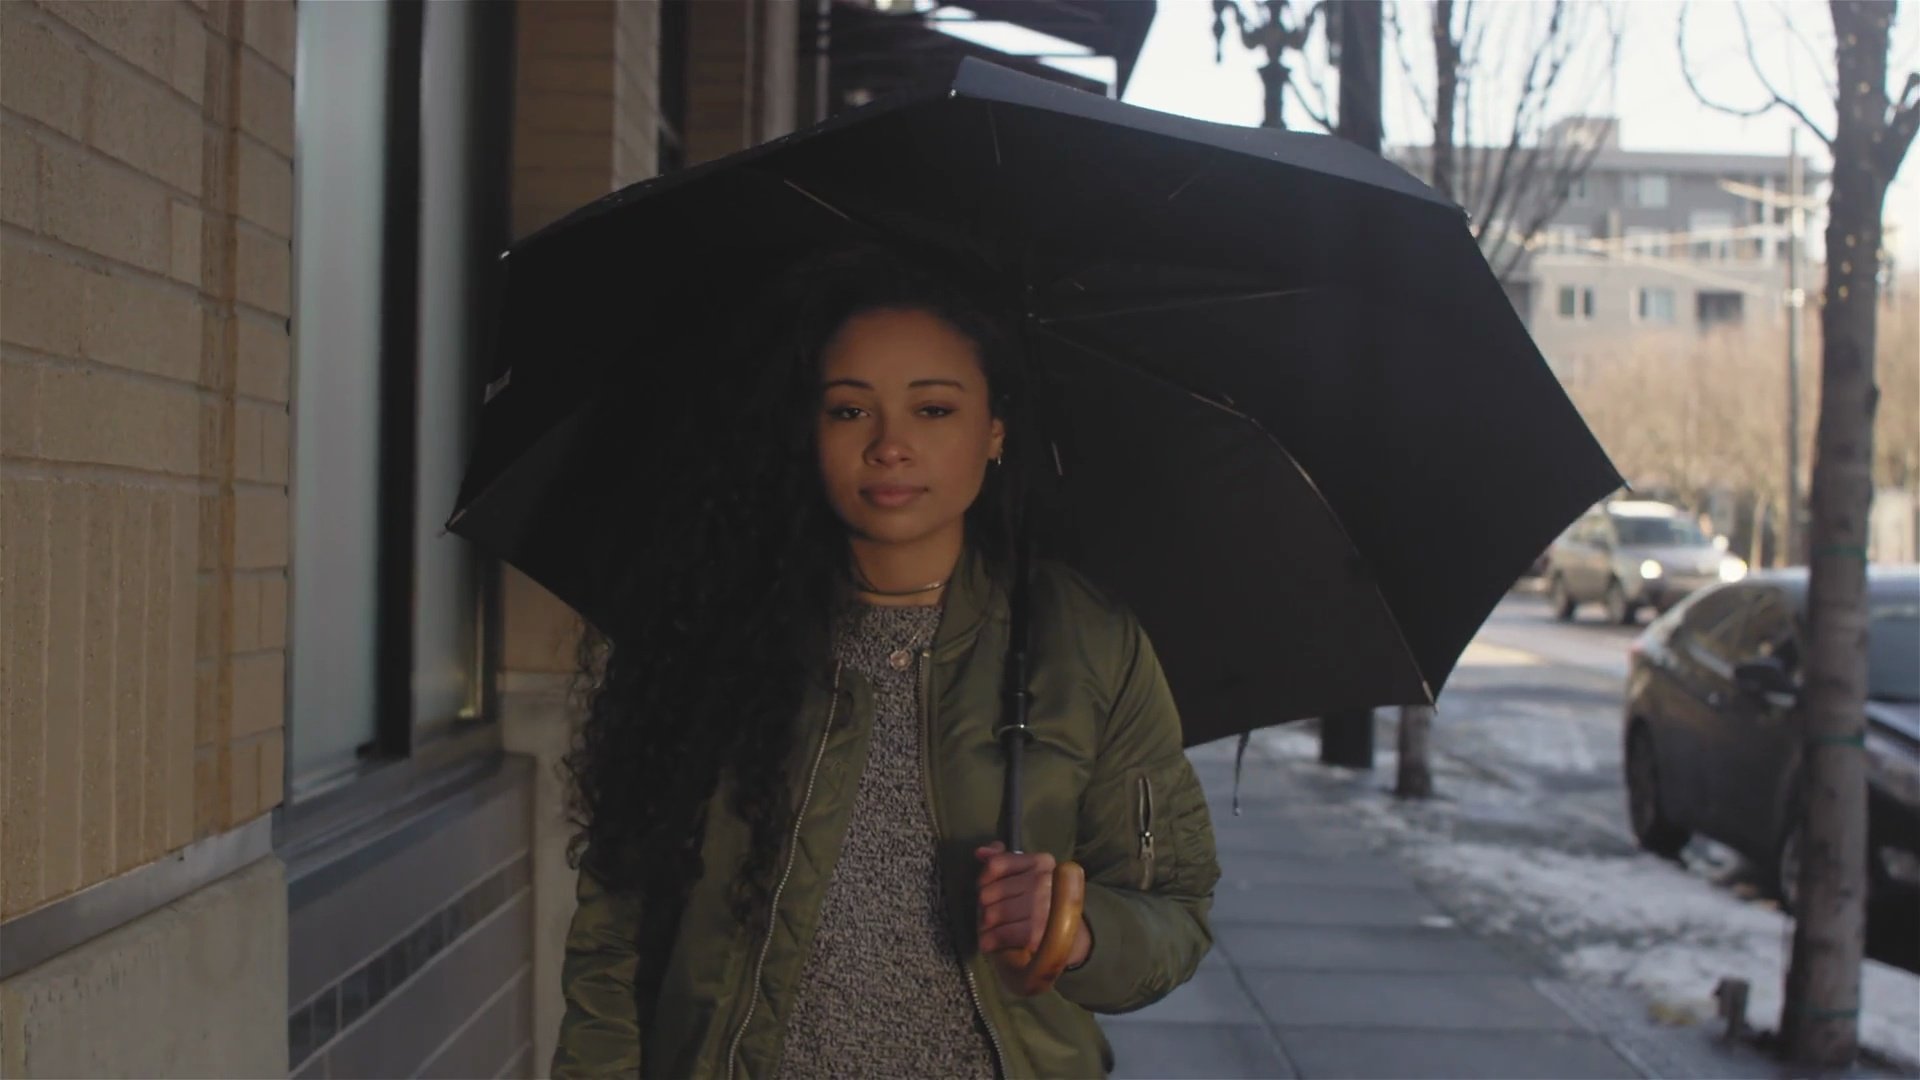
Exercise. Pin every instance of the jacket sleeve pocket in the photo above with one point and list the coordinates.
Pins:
(1146, 842)
(600, 1030)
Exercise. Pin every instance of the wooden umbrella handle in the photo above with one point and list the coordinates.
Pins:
(1026, 973)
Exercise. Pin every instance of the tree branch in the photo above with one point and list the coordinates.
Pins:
(1505, 182)
(1753, 60)
(1406, 63)
(1821, 60)
(1900, 129)
(1775, 100)
(1324, 114)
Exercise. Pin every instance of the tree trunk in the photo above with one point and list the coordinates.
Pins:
(1446, 87)
(1821, 1016)
(1416, 775)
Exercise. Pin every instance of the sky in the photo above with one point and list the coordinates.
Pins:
(1176, 73)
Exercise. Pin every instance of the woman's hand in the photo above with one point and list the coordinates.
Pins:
(1016, 896)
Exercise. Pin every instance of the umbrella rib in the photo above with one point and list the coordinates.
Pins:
(993, 132)
(1174, 305)
(824, 204)
(1185, 184)
(1373, 582)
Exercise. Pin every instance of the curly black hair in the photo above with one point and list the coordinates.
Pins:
(734, 560)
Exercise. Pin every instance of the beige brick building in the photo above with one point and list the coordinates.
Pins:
(277, 791)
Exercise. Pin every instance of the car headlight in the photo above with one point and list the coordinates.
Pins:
(1651, 569)
(1732, 568)
(1895, 768)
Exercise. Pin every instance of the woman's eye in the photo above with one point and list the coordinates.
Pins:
(936, 410)
(844, 412)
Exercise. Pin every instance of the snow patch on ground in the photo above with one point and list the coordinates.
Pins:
(1624, 920)
(1645, 923)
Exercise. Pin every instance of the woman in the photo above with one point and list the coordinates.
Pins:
(788, 784)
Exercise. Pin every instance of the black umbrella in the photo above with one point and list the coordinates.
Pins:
(1298, 426)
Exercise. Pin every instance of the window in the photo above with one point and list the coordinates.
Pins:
(1770, 631)
(1576, 302)
(1713, 309)
(1567, 239)
(1648, 190)
(1646, 241)
(1712, 233)
(1712, 625)
(1893, 643)
(1577, 192)
(401, 196)
(1654, 305)
(1659, 531)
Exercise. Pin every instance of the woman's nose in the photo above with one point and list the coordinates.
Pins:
(888, 448)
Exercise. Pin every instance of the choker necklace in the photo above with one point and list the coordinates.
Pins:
(865, 586)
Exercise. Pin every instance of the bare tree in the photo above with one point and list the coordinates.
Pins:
(1872, 132)
(1511, 188)
(1687, 416)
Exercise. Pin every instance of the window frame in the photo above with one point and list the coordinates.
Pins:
(1579, 298)
(405, 748)
(1657, 181)
(1642, 293)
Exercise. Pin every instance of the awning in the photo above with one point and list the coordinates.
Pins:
(875, 47)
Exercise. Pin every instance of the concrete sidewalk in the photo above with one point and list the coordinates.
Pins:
(1329, 962)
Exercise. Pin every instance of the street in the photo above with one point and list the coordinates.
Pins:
(1528, 841)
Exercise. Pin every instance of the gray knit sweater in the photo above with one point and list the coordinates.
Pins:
(883, 992)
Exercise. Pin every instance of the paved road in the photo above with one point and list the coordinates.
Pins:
(1536, 707)
(1588, 644)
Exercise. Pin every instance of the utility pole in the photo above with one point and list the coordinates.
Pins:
(1346, 738)
(1796, 302)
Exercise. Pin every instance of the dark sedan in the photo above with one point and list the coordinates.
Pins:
(1713, 726)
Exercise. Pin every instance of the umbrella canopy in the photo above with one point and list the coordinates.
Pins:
(1297, 426)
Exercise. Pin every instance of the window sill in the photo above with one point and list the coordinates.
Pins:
(317, 830)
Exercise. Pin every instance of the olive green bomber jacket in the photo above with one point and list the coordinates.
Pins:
(1106, 784)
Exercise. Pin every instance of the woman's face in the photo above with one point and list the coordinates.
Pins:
(905, 426)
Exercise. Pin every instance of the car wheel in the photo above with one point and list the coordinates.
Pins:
(1618, 609)
(1560, 600)
(1655, 831)
(1786, 868)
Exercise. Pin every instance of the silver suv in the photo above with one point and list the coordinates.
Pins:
(1628, 555)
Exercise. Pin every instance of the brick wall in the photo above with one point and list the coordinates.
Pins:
(719, 88)
(145, 211)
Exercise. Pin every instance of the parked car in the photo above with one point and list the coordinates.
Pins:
(1713, 725)
(1629, 555)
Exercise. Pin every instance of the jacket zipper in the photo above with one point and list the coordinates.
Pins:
(1146, 834)
(923, 692)
(773, 907)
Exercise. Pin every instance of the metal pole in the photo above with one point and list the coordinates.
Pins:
(1274, 75)
(1796, 300)
(1346, 738)
(1014, 732)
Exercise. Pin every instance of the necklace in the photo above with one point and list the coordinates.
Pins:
(868, 588)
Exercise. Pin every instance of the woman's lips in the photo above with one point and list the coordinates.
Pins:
(891, 496)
